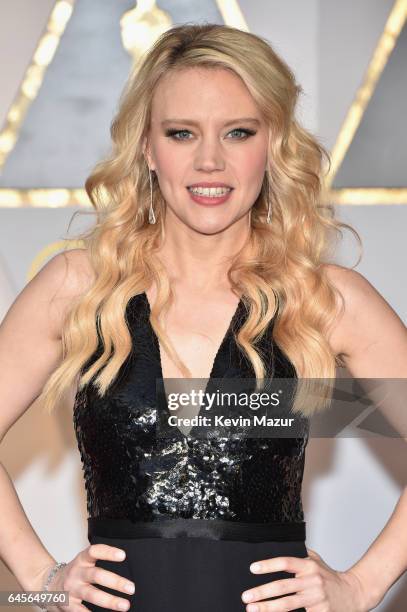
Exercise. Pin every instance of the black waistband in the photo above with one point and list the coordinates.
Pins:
(213, 529)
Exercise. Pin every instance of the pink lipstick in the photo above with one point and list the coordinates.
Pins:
(207, 199)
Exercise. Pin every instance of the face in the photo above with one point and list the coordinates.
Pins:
(206, 129)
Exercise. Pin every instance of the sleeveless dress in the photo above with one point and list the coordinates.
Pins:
(192, 514)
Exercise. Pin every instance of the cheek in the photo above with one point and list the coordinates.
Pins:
(251, 178)
(172, 168)
(250, 164)
(166, 166)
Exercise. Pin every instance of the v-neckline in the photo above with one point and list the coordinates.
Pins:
(215, 363)
(215, 370)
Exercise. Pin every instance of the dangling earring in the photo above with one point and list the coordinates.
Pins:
(269, 212)
(151, 215)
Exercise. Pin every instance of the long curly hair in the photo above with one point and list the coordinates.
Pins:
(278, 272)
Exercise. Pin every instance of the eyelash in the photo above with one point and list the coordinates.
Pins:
(172, 132)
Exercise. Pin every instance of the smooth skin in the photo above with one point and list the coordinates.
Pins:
(30, 349)
(198, 241)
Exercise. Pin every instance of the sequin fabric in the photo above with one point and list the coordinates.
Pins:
(132, 473)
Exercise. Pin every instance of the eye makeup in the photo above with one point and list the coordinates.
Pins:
(172, 133)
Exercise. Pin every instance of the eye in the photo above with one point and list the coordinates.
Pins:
(174, 133)
(243, 131)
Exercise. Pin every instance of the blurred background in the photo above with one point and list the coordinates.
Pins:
(63, 66)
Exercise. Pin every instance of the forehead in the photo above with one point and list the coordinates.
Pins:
(200, 92)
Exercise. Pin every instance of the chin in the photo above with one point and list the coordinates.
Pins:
(209, 226)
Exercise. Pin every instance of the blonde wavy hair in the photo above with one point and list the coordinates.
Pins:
(278, 272)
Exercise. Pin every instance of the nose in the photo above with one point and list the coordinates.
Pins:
(208, 155)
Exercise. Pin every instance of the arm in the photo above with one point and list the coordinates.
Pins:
(373, 341)
(30, 349)
(386, 558)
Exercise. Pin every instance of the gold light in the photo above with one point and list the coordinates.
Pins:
(232, 14)
(34, 77)
(366, 196)
(43, 198)
(385, 46)
(141, 26)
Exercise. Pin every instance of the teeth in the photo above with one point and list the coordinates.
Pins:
(210, 191)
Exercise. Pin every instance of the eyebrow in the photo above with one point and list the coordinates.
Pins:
(190, 122)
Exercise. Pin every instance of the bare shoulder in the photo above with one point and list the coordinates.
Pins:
(65, 277)
(31, 331)
(367, 317)
(355, 289)
(76, 268)
(351, 284)
(68, 273)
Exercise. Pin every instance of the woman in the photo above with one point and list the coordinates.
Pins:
(208, 260)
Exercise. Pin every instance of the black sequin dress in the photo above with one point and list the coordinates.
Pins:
(192, 514)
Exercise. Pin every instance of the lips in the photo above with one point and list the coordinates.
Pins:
(210, 185)
(205, 200)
